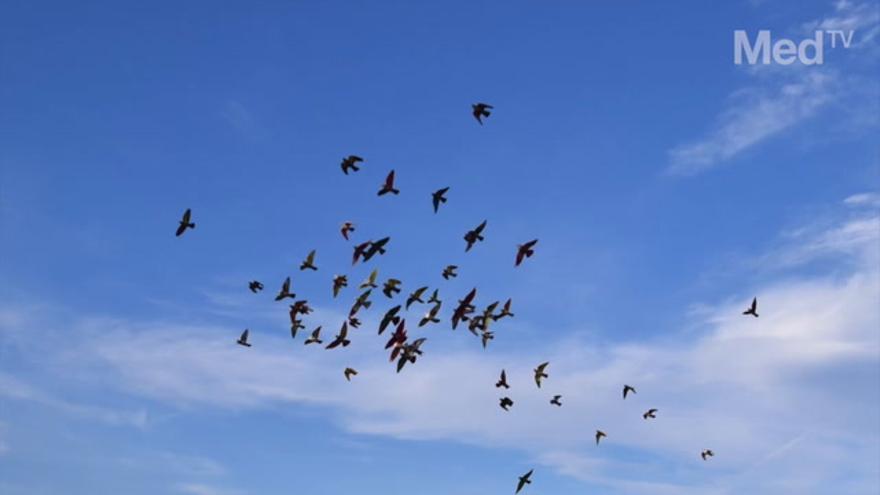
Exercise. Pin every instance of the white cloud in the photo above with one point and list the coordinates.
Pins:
(201, 489)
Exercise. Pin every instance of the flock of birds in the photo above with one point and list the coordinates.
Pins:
(401, 348)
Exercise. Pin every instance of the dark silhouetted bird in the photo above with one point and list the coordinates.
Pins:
(416, 296)
(486, 336)
(360, 251)
(472, 236)
(243, 340)
(410, 353)
(465, 307)
(706, 454)
(388, 186)
(627, 389)
(431, 316)
(285, 291)
(353, 322)
(376, 247)
(363, 301)
(555, 400)
(346, 229)
(435, 297)
(505, 311)
(505, 403)
(481, 110)
(341, 339)
(650, 413)
(295, 325)
(753, 309)
(185, 223)
(502, 382)
(315, 338)
(599, 435)
(398, 337)
(370, 282)
(309, 263)
(339, 282)
(540, 373)
(438, 197)
(350, 163)
(389, 318)
(525, 251)
(449, 272)
(524, 480)
(255, 286)
(391, 287)
(349, 372)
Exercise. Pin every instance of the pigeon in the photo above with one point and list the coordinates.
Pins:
(339, 282)
(539, 373)
(350, 163)
(315, 338)
(753, 309)
(389, 318)
(599, 435)
(361, 302)
(525, 251)
(285, 291)
(555, 400)
(435, 297)
(255, 286)
(342, 338)
(485, 337)
(472, 236)
(431, 315)
(295, 325)
(300, 307)
(465, 307)
(185, 223)
(410, 353)
(627, 389)
(505, 311)
(360, 251)
(388, 186)
(438, 197)
(398, 337)
(650, 413)
(706, 454)
(416, 296)
(243, 340)
(502, 382)
(449, 272)
(505, 403)
(346, 229)
(391, 287)
(370, 282)
(354, 322)
(481, 110)
(309, 263)
(349, 372)
(376, 247)
(524, 480)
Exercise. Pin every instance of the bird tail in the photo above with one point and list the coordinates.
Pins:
(192, 225)
(395, 191)
(345, 343)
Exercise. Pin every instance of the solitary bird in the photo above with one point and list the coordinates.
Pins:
(472, 236)
(449, 272)
(341, 339)
(370, 282)
(525, 251)
(349, 372)
(391, 287)
(243, 340)
(627, 389)
(706, 454)
(540, 373)
(315, 338)
(437, 197)
(524, 480)
(350, 163)
(555, 400)
(285, 291)
(431, 315)
(650, 413)
(255, 286)
(753, 309)
(599, 435)
(481, 110)
(185, 223)
(388, 186)
(309, 263)
(389, 318)
(505, 311)
(346, 229)
(502, 382)
(505, 403)
(339, 282)
(416, 296)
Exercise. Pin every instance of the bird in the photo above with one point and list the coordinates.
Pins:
(524, 480)
(435, 297)
(339, 281)
(354, 322)
(555, 400)
(524, 251)
(347, 228)
(481, 110)
(349, 372)
(243, 340)
(410, 353)
(295, 325)
(376, 247)
(540, 373)
(502, 382)
(416, 296)
(360, 251)
(505, 403)
(370, 282)
(185, 223)
(706, 454)
(361, 302)
(438, 197)
(472, 236)
(650, 413)
(449, 272)
(464, 308)
(389, 318)
(753, 309)
(255, 286)
(309, 263)
(285, 291)
(485, 337)
(341, 339)
(505, 311)
(391, 287)
(315, 338)
(350, 163)
(431, 315)
(388, 186)
(627, 389)
(599, 435)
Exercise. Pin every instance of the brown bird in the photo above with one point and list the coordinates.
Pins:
(505, 311)
(431, 316)
(524, 480)
(465, 307)
(627, 389)
(753, 309)
(315, 338)
(255, 286)
(285, 291)
(339, 282)
(449, 272)
(416, 296)
(370, 282)
(555, 400)
(376, 247)
(185, 223)
(341, 339)
(599, 435)
(540, 373)
(502, 382)
(524, 251)
(438, 197)
(295, 325)
(243, 340)
(650, 413)
(410, 353)
(388, 186)
(398, 337)
(353, 322)
(360, 251)
(363, 301)
(349, 372)
(706, 454)
(505, 403)
(472, 236)
(346, 229)
(481, 110)
(486, 336)
(350, 163)
(309, 263)
(391, 287)
(389, 318)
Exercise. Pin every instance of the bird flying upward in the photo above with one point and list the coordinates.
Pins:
(243, 340)
(315, 338)
(472, 236)
(524, 480)
(449, 272)
(285, 291)
(309, 263)
(388, 186)
(540, 373)
(339, 282)
(349, 372)
(185, 223)
(438, 197)
(599, 435)
(370, 282)
(753, 309)
(627, 389)
(481, 110)
(524, 251)
(341, 339)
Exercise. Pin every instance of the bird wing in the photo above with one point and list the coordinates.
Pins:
(186, 216)
(389, 181)
(180, 228)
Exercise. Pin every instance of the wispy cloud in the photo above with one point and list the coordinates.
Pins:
(201, 489)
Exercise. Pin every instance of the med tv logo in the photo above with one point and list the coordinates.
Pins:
(784, 51)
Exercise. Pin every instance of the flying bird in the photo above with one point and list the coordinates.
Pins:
(255, 286)
(349, 372)
(339, 282)
(465, 307)
(370, 282)
(555, 400)
(505, 403)
(486, 336)
(437, 197)
(627, 389)
(753, 309)
(285, 291)
(309, 263)
(315, 338)
(376, 247)
(391, 287)
(346, 229)
(435, 297)
(481, 110)
(706, 454)
(389, 318)
(650, 413)
(525, 251)
(502, 382)
(363, 301)
(416, 296)
(540, 373)
(354, 322)
(350, 163)
(388, 186)
(360, 251)
(599, 435)
(505, 311)
(472, 236)
(341, 339)
(295, 325)
(449, 272)
(431, 316)
(243, 340)
(185, 223)
(524, 480)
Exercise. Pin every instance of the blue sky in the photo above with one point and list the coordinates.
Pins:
(667, 186)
